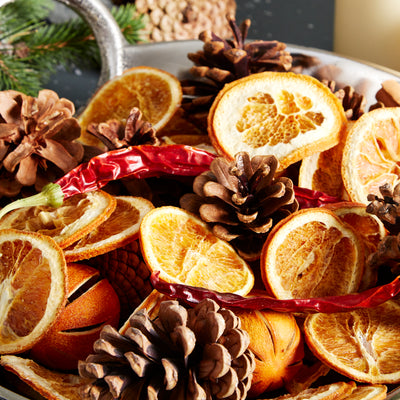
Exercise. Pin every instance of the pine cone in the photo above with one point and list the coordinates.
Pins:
(115, 135)
(193, 353)
(387, 207)
(353, 102)
(37, 141)
(184, 19)
(128, 274)
(388, 95)
(224, 60)
(386, 258)
(242, 200)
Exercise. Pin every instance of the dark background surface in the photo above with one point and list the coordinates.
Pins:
(302, 22)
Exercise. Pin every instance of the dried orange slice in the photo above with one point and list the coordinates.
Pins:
(50, 384)
(355, 214)
(78, 215)
(312, 253)
(155, 92)
(332, 391)
(184, 250)
(32, 288)
(322, 171)
(371, 153)
(120, 228)
(362, 345)
(368, 392)
(368, 226)
(288, 115)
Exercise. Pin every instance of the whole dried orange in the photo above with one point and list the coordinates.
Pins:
(120, 228)
(78, 215)
(276, 342)
(155, 92)
(92, 304)
(312, 253)
(32, 288)
(183, 248)
(288, 115)
(362, 345)
(371, 153)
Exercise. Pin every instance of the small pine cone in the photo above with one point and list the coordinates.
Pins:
(224, 60)
(242, 200)
(387, 207)
(115, 135)
(193, 353)
(184, 19)
(387, 257)
(388, 95)
(128, 274)
(353, 103)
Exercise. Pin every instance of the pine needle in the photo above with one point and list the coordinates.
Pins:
(31, 49)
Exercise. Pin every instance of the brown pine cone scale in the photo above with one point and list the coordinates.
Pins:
(195, 353)
(242, 200)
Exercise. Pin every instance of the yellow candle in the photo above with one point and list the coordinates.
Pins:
(368, 30)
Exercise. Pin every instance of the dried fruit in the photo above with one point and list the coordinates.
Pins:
(155, 92)
(120, 228)
(67, 223)
(52, 385)
(312, 253)
(182, 247)
(278, 113)
(277, 344)
(362, 345)
(370, 154)
(33, 288)
(92, 304)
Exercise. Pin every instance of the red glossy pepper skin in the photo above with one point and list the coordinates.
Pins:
(367, 299)
(139, 161)
(148, 161)
(308, 198)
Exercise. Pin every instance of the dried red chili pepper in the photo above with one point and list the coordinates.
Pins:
(367, 299)
(308, 198)
(139, 161)
(149, 161)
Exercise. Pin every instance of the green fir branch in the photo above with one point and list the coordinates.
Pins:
(31, 49)
(15, 75)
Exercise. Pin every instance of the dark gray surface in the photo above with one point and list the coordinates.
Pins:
(302, 22)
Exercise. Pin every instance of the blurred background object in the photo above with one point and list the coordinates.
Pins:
(368, 30)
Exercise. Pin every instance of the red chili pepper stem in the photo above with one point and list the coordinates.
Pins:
(51, 195)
